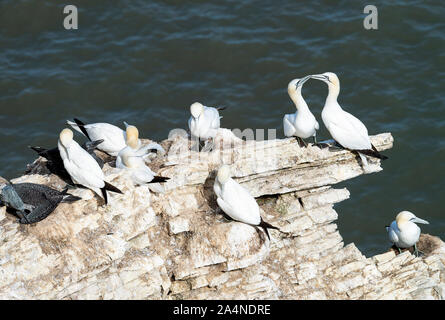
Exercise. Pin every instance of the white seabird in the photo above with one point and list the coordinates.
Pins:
(237, 202)
(346, 129)
(82, 167)
(404, 232)
(204, 123)
(301, 124)
(131, 158)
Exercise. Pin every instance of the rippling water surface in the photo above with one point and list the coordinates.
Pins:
(146, 61)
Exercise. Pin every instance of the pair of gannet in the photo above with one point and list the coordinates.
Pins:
(404, 232)
(33, 202)
(204, 124)
(236, 201)
(131, 158)
(82, 167)
(347, 130)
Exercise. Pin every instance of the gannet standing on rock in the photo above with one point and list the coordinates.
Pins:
(404, 232)
(131, 158)
(204, 123)
(82, 167)
(301, 124)
(237, 202)
(346, 129)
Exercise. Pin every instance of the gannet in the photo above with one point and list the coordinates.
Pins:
(237, 202)
(301, 124)
(346, 129)
(404, 232)
(82, 167)
(114, 137)
(33, 202)
(204, 123)
(132, 159)
(55, 162)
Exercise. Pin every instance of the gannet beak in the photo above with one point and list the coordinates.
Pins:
(418, 220)
(320, 77)
(303, 80)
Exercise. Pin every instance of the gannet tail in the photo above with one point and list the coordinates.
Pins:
(69, 197)
(39, 150)
(373, 153)
(263, 224)
(221, 108)
(108, 187)
(157, 179)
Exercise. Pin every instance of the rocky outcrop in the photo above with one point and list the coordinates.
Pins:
(179, 244)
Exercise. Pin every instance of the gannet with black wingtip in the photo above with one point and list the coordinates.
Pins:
(82, 167)
(301, 124)
(132, 159)
(204, 123)
(404, 232)
(113, 137)
(237, 202)
(346, 129)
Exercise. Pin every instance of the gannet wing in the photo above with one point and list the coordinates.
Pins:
(349, 131)
(82, 167)
(288, 124)
(212, 118)
(392, 233)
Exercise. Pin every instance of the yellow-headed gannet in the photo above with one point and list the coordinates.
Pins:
(404, 232)
(82, 167)
(132, 159)
(346, 129)
(301, 124)
(237, 202)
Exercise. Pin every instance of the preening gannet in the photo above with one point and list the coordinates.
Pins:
(404, 232)
(237, 202)
(33, 202)
(204, 123)
(132, 159)
(346, 129)
(301, 124)
(113, 137)
(82, 167)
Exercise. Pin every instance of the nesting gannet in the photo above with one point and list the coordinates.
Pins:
(204, 123)
(132, 159)
(237, 202)
(82, 167)
(33, 202)
(301, 124)
(346, 129)
(404, 232)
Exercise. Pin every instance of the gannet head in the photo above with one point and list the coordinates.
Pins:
(406, 216)
(329, 78)
(223, 174)
(196, 109)
(132, 137)
(66, 137)
(296, 83)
